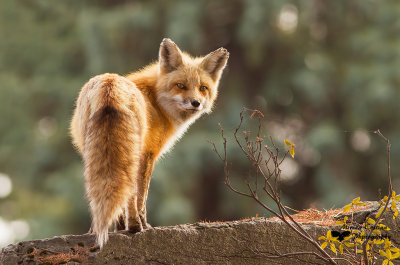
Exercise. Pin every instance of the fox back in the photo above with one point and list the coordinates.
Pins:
(121, 125)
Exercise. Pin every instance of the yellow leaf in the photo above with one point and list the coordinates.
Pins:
(329, 235)
(390, 263)
(382, 253)
(371, 221)
(388, 254)
(376, 231)
(385, 262)
(379, 212)
(341, 249)
(321, 238)
(394, 249)
(393, 206)
(360, 251)
(333, 248)
(347, 208)
(349, 245)
(368, 247)
(396, 255)
(323, 245)
(288, 143)
(384, 227)
(387, 242)
(291, 150)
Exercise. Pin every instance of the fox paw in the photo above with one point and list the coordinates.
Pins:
(147, 226)
(143, 219)
(135, 228)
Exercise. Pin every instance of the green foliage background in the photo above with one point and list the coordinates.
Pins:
(324, 84)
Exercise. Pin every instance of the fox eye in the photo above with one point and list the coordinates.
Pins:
(203, 88)
(180, 86)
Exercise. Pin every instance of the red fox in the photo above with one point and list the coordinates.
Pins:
(121, 125)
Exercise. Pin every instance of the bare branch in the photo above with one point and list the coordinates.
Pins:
(390, 192)
(271, 161)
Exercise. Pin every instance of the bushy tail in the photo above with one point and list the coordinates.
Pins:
(111, 157)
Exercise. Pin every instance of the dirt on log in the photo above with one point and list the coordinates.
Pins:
(238, 242)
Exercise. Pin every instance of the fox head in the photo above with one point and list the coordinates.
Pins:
(188, 86)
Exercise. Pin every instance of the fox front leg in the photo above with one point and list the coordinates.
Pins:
(134, 223)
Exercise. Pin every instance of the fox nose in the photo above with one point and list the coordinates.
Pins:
(195, 103)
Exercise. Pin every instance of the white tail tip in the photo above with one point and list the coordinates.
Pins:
(102, 238)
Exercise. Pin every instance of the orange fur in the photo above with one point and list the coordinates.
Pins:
(121, 125)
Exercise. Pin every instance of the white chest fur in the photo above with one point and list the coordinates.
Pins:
(180, 131)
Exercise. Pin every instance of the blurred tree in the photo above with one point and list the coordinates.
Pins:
(325, 73)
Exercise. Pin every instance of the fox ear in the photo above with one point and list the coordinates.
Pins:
(215, 62)
(170, 57)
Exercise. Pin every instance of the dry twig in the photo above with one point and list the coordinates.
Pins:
(266, 161)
